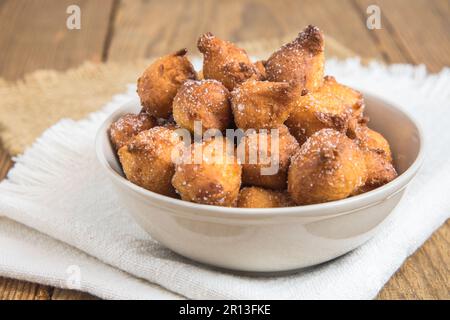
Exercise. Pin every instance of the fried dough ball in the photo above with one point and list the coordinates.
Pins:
(159, 83)
(301, 60)
(328, 166)
(270, 169)
(254, 197)
(261, 69)
(371, 140)
(129, 125)
(378, 157)
(379, 171)
(200, 75)
(225, 62)
(147, 159)
(333, 105)
(214, 180)
(262, 104)
(206, 101)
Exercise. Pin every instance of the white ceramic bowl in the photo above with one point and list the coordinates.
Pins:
(270, 240)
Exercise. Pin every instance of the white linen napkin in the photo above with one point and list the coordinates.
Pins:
(58, 188)
(26, 254)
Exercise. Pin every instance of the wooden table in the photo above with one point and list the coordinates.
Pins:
(33, 35)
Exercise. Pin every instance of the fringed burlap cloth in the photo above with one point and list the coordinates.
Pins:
(41, 98)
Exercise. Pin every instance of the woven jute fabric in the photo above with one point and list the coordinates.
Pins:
(41, 98)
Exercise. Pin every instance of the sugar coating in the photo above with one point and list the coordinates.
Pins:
(261, 104)
(333, 105)
(328, 166)
(206, 101)
(215, 180)
(325, 152)
(255, 197)
(160, 81)
(271, 153)
(129, 125)
(301, 61)
(147, 159)
(226, 62)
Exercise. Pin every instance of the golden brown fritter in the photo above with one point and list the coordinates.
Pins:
(254, 197)
(215, 179)
(200, 75)
(333, 105)
(225, 62)
(270, 169)
(301, 61)
(324, 150)
(378, 157)
(261, 69)
(262, 104)
(371, 140)
(147, 159)
(328, 166)
(159, 83)
(379, 171)
(129, 125)
(206, 101)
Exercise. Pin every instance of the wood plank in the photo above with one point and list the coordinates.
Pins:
(442, 8)
(384, 39)
(419, 27)
(417, 278)
(36, 36)
(5, 163)
(426, 274)
(64, 294)
(144, 29)
(12, 289)
(338, 19)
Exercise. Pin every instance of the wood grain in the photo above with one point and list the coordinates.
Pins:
(426, 274)
(412, 32)
(415, 31)
(11, 289)
(169, 30)
(5, 163)
(63, 294)
(36, 37)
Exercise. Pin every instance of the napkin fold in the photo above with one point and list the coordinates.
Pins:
(27, 254)
(58, 189)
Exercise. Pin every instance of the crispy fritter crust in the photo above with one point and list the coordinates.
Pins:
(371, 140)
(260, 65)
(129, 125)
(254, 197)
(324, 152)
(206, 101)
(215, 180)
(301, 61)
(159, 83)
(225, 62)
(380, 171)
(333, 105)
(147, 159)
(260, 145)
(378, 157)
(329, 166)
(262, 104)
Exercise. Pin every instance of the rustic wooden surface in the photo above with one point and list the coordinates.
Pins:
(33, 35)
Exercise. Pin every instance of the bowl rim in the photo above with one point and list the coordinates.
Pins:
(335, 208)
